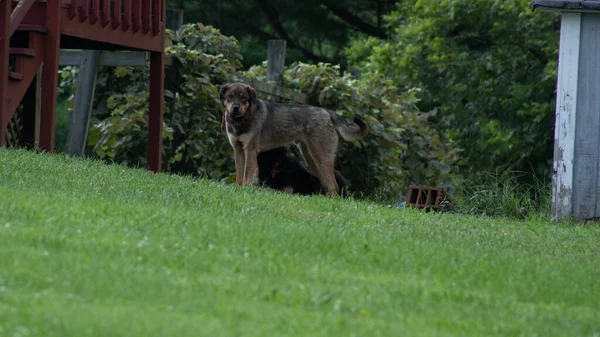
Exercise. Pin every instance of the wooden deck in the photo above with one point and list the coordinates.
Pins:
(32, 32)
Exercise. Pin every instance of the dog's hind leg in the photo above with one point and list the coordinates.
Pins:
(324, 162)
(328, 181)
(309, 158)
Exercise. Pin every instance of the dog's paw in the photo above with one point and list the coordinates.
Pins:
(254, 182)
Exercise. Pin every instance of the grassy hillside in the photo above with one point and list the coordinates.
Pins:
(93, 250)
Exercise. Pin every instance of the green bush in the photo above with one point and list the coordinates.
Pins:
(401, 148)
(202, 59)
(490, 68)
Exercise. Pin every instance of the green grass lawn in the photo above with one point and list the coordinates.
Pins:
(88, 249)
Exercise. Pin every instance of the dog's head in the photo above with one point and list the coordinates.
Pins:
(237, 98)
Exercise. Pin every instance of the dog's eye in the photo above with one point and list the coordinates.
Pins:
(230, 96)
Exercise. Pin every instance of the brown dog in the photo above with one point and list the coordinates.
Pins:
(254, 125)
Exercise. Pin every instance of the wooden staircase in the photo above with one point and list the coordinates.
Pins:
(24, 62)
(32, 32)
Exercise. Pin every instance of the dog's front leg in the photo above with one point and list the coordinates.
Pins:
(240, 162)
(251, 160)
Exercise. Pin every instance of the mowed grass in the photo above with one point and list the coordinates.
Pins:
(88, 249)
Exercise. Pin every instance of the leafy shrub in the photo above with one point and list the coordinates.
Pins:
(202, 59)
(490, 68)
(401, 148)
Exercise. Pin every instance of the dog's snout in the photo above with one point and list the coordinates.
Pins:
(235, 108)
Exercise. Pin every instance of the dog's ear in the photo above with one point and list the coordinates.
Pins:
(222, 92)
(251, 92)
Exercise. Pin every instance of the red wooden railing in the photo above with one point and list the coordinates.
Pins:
(137, 15)
(144, 15)
(95, 11)
(116, 15)
(84, 12)
(18, 14)
(12, 20)
(105, 13)
(127, 17)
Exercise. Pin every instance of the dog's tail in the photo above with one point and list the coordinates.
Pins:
(349, 132)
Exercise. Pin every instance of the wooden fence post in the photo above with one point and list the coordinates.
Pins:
(276, 61)
(174, 18)
(84, 97)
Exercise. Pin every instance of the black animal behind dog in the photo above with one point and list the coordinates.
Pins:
(279, 169)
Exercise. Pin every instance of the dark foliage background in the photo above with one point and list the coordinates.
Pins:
(452, 90)
(315, 30)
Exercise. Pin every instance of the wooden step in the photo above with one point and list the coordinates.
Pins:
(15, 76)
(22, 51)
(32, 28)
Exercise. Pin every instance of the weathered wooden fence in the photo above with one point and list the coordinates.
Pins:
(275, 67)
(273, 89)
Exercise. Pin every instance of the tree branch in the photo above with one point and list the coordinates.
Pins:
(354, 20)
(275, 22)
